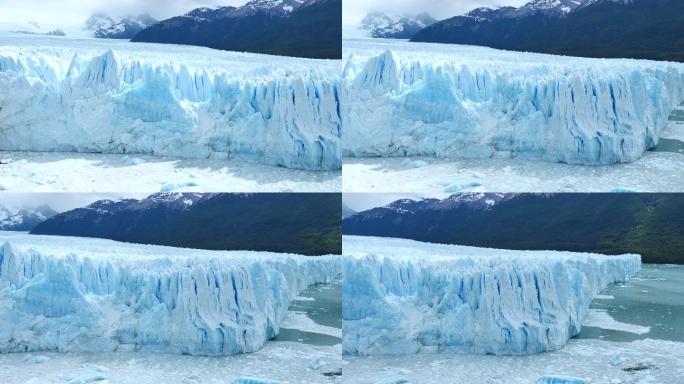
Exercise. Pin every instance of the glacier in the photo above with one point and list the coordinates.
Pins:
(95, 96)
(405, 297)
(402, 99)
(63, 294)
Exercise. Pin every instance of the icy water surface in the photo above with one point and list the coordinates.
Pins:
(673, 136)
(321, 305)
(654, 299)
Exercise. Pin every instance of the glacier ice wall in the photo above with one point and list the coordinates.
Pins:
(411, 99)
(277, 111)
(86, 302)
(402, 296)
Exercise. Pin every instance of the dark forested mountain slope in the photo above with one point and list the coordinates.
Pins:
(281, 222)
(641, 29)
(309, 28)
(649, 224)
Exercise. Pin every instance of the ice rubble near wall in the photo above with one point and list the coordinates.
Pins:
(228, 304)
(114, 101)
(403, 297)
(411, 99)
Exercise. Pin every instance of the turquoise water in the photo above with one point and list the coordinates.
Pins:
(672, 145)
(325, 309)
(655, 298)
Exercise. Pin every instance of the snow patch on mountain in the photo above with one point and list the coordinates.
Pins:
(404, 297)
(381, 25)
(24, 219)
(104, 26)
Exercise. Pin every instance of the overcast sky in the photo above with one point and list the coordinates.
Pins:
(355, 10)
(365, 201)
(69, 13)
(58, 201)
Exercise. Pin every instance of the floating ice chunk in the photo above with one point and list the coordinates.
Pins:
(171, 186)
(316, 363)
(409, 163)
(304, 298)
(602, 319)
(249, 380)
(132, 160)
(460, 187)
(37, 359)
(552, 379)
(403, 296)
(391, 379)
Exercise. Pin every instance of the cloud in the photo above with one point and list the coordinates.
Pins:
(354, 10)
(75, 12)
(59, 201)
(365, 201)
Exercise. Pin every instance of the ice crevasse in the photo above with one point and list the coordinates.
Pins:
(403, 297)
(106, 296)
(185, 102)
(450, 101)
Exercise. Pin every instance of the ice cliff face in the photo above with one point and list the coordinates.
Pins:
(119, 97)
(88, 295)
(449, 101)
(402, 296)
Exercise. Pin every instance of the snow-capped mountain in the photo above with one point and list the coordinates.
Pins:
(467, 201)
(380, 25)
(347, 211)
(99, 210)
(547, 8)
(271, 7)
(550, 7)
(24, 219)
(301, 28)
(628, 28)
(104, 26)
(258, 222)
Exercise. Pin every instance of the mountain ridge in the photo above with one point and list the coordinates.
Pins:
(648, 224)
(296, 28)
(278, 222)
(639, 29)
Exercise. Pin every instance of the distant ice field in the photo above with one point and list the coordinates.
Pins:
(252, 65)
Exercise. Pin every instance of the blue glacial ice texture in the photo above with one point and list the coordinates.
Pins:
(195, 306)
(515, 307)
(108, 104)
(394, 106)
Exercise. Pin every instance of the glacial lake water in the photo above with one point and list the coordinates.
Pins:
(655, 299)
(673, 135)
(322, 305)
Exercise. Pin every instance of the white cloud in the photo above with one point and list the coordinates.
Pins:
(353, 11)
(365, 201)
(70, 13)
(59, 201)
